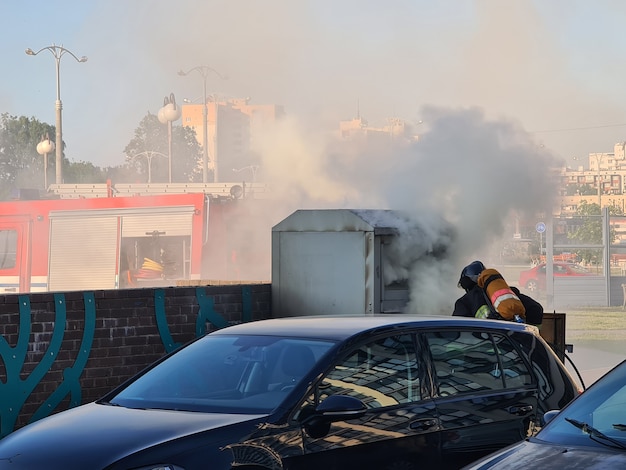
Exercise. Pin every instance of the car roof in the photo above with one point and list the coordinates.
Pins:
(340, 327)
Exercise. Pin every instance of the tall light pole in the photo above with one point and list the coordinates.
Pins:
(58, 52)
(166, 115)
(599, 157)
(204, 71)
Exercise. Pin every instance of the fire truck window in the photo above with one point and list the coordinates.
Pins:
(154, 258)
(8, 248)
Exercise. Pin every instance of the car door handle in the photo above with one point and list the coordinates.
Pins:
(423, 424)
(520, 409)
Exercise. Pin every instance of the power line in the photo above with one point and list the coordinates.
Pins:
(577, 128)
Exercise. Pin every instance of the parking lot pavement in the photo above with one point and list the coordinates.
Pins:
(595, 358)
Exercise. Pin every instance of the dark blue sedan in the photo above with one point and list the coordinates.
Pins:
(588, 434)
(367, 392)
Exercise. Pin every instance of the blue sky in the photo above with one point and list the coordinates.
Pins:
(554, 67)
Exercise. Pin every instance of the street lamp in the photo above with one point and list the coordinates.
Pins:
(167, 114)
(253, 169)
(44, 148)
(58, 52)
(150, 154)
(204, 71)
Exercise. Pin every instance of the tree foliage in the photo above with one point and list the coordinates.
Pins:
(581, 190)
(590, 229)
(83, 172)
(22, 167)
(150, 146)
(20, 164)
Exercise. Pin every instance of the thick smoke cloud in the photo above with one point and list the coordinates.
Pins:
(458, 67)
(460, 182)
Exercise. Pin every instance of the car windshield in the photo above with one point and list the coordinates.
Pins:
(596, 418)
(225, 374)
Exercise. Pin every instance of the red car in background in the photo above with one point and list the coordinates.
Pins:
(534, 279)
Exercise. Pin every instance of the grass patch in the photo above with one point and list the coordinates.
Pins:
(595, 323)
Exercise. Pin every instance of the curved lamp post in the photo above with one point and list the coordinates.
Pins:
(44, 148)
(167, 114)
(204, 71)
(58, 52)
(253, 169)
(150, 154)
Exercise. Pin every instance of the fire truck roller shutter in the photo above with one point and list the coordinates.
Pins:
(173, 223)
(84, 243)
(83, 253)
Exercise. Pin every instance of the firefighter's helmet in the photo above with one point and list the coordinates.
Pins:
(469, 275)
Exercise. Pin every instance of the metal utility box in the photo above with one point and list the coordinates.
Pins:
(553, 331)
(333, 262)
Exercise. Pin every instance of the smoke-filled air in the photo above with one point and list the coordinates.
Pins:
(498, 93)
(460, 183)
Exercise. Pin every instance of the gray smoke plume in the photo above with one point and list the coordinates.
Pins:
(460, 182)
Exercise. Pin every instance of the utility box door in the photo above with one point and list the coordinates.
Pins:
(319, 273)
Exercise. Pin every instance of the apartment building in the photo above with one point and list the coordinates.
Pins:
(231, 125)
(602, 182)
(359, 128)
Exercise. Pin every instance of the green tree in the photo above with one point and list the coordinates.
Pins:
(20, 164)
(590, 230)
(580, 190)
(151, 136)
(83, 172)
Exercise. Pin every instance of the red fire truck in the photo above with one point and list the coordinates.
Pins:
(94, 238)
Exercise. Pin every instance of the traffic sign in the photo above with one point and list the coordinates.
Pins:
(540, 227)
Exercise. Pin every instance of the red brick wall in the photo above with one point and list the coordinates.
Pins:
(105, 337)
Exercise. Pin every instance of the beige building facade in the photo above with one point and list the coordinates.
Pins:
(230, 127)
(602, 182)
(359, 128)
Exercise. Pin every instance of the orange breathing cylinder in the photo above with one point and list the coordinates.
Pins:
(504, 300)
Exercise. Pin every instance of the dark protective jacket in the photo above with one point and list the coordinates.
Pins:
(474, 304)
(471, 303)
(534, 310)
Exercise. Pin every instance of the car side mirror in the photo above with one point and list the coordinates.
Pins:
(316, 422)
(549, 415)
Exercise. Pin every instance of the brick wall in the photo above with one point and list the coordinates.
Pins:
(59, 350)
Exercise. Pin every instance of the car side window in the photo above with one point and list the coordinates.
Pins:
(380, 373)
(514, 369)
(471, 361)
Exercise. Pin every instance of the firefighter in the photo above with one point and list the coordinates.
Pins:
(474, 302)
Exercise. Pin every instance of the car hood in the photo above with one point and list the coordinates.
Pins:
(533, 454)
(96, 435)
